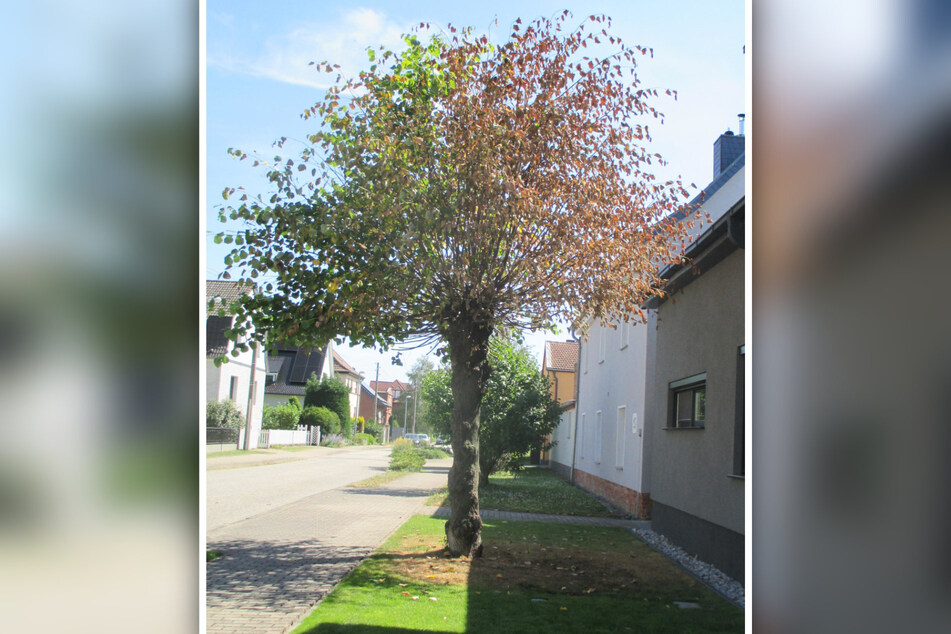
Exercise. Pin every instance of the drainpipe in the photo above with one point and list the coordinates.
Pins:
(574, 440)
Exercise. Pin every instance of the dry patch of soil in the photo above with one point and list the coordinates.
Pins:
(563, 569)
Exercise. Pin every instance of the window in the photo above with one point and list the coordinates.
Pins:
(619, 437)
(581, 434)
(602, 339)
(233, 392)
(597, 438)
(688, 403)
(739, 423)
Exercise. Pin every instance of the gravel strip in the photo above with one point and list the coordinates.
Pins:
(708, 574)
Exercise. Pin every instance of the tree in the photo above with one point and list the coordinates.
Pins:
(518, 413)
(223, 414)
(416, 375)
(332, 393)
(455, 188)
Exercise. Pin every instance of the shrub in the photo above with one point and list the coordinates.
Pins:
(223, 414)
(373, 428)
(402, 444)
(407, 461)
(333, 394)
(283, 416)
(431, 453)
(364, 439)
(333, 440)
(322, 417)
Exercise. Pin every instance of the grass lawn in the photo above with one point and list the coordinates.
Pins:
(531, 577)
(533, 490)
(379, 480)
(292, 447)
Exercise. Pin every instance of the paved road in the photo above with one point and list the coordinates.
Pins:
(298, 532)
(235, 494)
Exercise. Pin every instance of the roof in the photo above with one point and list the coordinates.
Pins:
(340, 365)
(369, 392)
(224, 292)
(293, 365)
(216, 344)
(712, 246)
(382, 386)
(561, 356)
(712, 188)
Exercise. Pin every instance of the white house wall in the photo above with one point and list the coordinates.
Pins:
(606, 385)
(218, 384)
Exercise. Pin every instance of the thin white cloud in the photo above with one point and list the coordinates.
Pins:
(342, 40)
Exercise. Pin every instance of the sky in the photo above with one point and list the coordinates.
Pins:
(258, 81)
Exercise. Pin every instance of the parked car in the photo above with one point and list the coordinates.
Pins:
(418, 439)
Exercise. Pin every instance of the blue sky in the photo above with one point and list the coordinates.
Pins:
(259, 81)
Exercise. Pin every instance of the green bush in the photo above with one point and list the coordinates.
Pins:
(223, 414)
(333, 394)
(406, 461)
(285, 416)
(374, 429)
(431, 453)
(364, 439)
(322, 417)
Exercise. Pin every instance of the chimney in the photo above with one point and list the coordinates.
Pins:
(727, 148)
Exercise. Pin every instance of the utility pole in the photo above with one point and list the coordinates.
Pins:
(405, 410)
(247, 420)
(376, 385)
(415, 401)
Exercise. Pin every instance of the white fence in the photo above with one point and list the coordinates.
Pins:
(300, 436)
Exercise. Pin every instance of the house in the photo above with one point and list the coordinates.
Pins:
(352, 379)
(232, 380)
(397, 393)
(648, 436)
(289, 367)
(695, 402)
(559, 364)
(383, 405)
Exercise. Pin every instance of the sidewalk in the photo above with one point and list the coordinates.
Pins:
(277, 565)
(257, 457)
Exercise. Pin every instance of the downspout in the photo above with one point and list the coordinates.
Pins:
(574, 439)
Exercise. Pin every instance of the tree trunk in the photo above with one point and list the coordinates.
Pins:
(469, 350)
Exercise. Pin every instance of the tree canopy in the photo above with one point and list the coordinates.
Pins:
(455, 188)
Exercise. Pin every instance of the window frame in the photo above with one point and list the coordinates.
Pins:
(581, 425)
(739, 423)
(598, 437)
(692, 385)
(620, 436)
